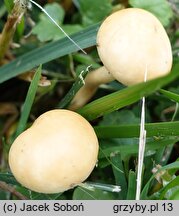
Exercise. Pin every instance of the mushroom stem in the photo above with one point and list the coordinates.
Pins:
(92, 82)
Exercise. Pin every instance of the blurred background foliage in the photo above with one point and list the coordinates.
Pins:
(114, 111)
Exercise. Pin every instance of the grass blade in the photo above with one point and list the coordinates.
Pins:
(28, 102)
(172, 96)
(156, 130)
(57, 25)
(174, 165)
(48, 52)
(172, 184)
(106, 187)
(74, 89)
(120, 178)
(126, 96)
(8, 178)
(128, 148)
(131, 186)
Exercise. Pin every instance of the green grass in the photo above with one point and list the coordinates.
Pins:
(26, 108)
(114, 111)
(126, 96)
(48, 52)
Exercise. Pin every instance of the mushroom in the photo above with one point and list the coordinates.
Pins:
(58, 152)
(129, 42)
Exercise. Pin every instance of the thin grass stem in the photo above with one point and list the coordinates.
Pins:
(42, 9)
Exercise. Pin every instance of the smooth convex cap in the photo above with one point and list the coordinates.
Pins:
(131, 42)
(56, 153)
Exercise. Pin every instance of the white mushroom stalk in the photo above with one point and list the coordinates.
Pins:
(92, 81)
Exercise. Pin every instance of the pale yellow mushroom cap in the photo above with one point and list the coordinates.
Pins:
(131, 41)
(56, 153)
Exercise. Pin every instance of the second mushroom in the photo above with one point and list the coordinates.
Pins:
(129, 43)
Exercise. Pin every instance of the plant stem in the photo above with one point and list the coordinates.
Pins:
(10, 27)
(142, 144)
(11, 189)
